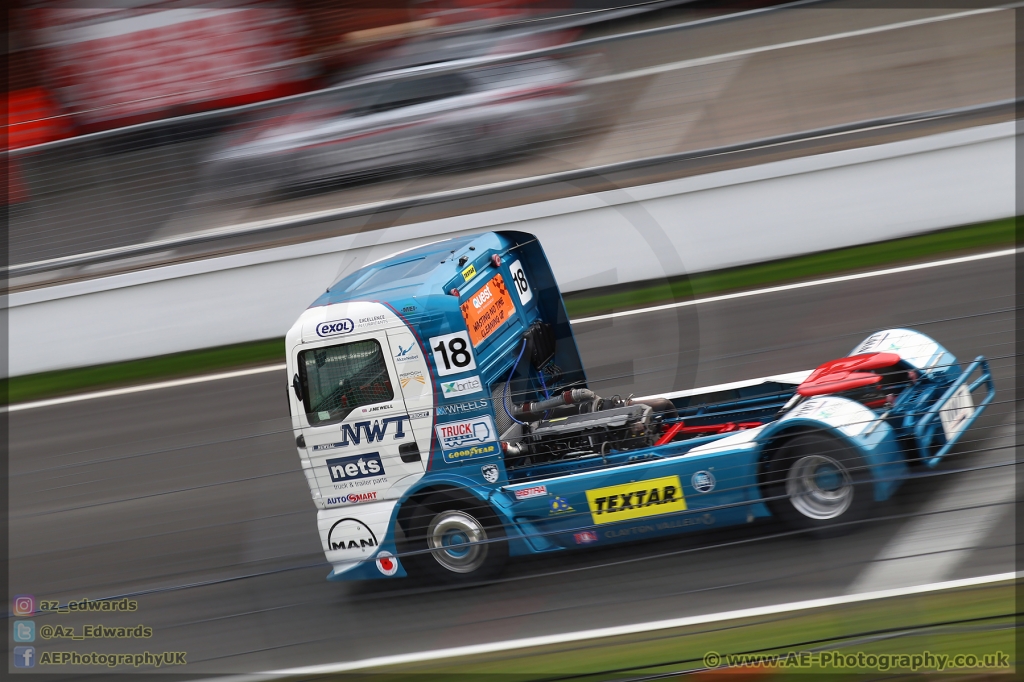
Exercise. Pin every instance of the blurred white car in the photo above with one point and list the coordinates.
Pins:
(409, 121)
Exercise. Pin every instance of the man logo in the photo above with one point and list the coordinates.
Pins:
(351, 534)
(345, 326)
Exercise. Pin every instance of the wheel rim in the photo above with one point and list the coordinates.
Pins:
(454, 536)
(819, 487)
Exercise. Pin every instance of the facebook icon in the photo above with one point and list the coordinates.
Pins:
(24, 657)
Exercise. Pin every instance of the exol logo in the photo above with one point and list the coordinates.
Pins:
(356, 467)
(353, 433)
(352, 498)
(703, 481)
(351, 534)
(335, 328)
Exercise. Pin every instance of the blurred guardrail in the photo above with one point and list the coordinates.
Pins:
(688, 225)
(117, 188)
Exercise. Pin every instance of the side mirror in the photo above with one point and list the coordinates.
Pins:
(297, 387)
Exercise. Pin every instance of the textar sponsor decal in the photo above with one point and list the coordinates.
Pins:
(450, 389)
(532, 491)
(335, 328)
(355, 467)
(352, 498)
(351, 535)
(703, 481)
(467, 438)
(636, 500)
(462, 408)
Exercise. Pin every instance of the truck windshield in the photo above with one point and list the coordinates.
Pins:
(337, 379)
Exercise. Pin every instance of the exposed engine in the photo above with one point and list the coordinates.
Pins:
(578, 424)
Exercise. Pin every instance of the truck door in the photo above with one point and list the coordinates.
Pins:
(415, 385)
(358, 434)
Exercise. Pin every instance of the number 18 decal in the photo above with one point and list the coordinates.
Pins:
(452, 353)
(522, 286)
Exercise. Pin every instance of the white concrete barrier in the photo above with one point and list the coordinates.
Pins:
(695, 224)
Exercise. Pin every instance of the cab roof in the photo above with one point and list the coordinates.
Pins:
(422, 271)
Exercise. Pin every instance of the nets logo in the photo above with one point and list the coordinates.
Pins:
(335, 328)
(356, 467)
(351, 534)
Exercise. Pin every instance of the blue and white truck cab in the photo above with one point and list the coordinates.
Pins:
(444, 422)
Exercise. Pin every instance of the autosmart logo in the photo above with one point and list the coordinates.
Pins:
(355, 467)
(462, 408)
(335, 328)
(450, 389)
(352, 498)
(351, 535)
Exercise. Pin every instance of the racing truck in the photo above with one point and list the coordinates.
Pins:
(444, 423)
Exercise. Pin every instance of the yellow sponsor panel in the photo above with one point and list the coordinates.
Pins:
(469, 273)
(636, 500)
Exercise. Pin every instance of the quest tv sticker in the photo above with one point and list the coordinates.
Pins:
(636, 500)
(487, 309)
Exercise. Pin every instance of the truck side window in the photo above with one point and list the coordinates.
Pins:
(338, 379)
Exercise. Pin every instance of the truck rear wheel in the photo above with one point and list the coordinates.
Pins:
(816, 482)
(460, 542)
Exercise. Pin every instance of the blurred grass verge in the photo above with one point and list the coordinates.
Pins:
(952, 241)
(975, 621)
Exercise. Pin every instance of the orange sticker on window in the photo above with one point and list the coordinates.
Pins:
(489, 308)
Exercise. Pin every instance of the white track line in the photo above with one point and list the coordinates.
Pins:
(583, 635)
(713, 59)
(638, 311)
(144, 387)
(801, 285)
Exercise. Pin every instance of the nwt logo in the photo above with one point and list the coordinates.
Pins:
(373, 432)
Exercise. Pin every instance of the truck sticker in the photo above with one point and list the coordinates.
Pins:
(487, 309)
(636, 500)
(450, 389)
(452, 353)
(520, 282)
(467, 438)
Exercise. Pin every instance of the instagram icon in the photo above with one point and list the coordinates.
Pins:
(24, 605)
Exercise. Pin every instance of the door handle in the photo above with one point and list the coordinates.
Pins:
(409, 452)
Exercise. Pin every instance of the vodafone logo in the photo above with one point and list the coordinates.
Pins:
(387, 563)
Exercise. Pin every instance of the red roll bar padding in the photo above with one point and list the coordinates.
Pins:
(840, 375)
(680, 428)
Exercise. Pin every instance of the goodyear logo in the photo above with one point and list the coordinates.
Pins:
(636, 500)
(475, 451)
(469, 273)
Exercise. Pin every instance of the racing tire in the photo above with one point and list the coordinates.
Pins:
(466, 541)
(817, 483)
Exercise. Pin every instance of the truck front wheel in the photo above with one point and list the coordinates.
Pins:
(455, 541)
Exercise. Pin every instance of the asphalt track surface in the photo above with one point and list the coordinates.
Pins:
(191, 498)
